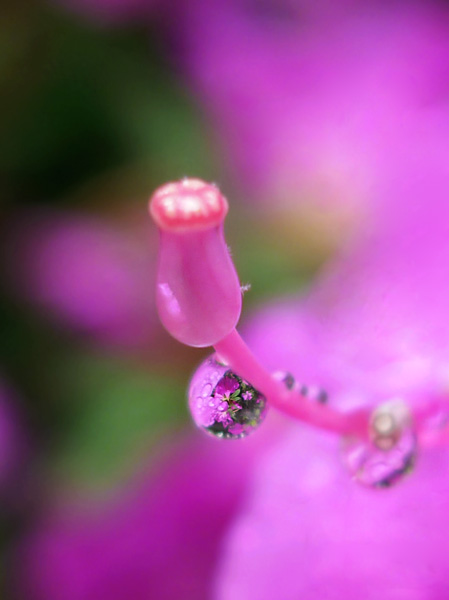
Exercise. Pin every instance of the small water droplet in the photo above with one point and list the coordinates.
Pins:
(206, 391)
(311, 392)
(287, 379)
(232, 408)
(389, 454)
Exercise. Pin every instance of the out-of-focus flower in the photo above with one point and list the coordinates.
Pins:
(306, 107)
(375, 327)
(308, 531)
(90, 273)
(161, 541)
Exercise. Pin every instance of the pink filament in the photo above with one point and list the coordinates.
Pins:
(199, 303)
(236, 353)
(233, 350)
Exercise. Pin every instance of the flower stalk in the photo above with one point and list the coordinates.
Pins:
(233, 350)
(199, 302)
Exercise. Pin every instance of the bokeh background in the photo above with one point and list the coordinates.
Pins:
(291, 106)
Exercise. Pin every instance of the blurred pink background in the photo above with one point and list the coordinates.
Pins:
(326, 125)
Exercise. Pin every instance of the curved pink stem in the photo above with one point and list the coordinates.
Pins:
(199, 302)
(233, 350)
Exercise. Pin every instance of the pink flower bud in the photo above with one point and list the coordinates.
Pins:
(198, 292)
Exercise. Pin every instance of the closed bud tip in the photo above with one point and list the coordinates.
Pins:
(198, 291)
(188, 205)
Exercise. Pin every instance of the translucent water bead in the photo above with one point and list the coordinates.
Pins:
(310, 392)
(287, 379)
(223, 404)
(389, 454)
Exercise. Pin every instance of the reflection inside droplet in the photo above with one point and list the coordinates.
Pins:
(222, 403)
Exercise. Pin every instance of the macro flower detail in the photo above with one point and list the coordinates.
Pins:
(193, 260)
(226, 387)
(379, 444)
(222, 403)
(329, 123)
(389, 454)
(193, 256)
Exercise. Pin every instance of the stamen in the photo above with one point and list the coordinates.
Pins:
(199, 301)
(198, 292)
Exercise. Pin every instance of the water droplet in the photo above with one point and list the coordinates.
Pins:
(389, 454)
(286, 378)
(206, 391)
(231, 408)
(311, 392)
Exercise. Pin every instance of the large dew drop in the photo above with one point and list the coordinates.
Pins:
(223, 404)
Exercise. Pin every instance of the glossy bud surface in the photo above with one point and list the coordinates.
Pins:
(198, 292)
